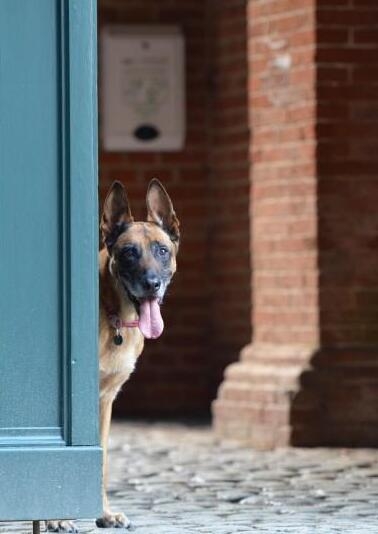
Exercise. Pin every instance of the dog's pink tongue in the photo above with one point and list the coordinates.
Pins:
(150, 320)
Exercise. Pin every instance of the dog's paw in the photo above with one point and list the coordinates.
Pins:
(61, 526)
(113, 520)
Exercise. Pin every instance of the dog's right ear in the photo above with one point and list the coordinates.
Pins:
(116, 214)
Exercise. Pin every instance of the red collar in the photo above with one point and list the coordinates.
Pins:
(118, 323)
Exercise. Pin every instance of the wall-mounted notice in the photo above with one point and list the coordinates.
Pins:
(143, 88)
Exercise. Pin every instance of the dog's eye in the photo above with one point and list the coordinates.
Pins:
(129, 252)
(163, 251)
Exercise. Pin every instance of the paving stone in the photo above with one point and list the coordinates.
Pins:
(178, 479)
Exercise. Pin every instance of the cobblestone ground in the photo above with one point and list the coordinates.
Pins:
(178, 479)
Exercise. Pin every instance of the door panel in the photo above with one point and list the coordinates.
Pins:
(48, 260)
(48, 482)
(30, 221)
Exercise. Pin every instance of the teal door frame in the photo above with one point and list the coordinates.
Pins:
(56, 472)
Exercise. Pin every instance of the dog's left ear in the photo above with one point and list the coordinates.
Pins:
(116, 214)
(160, 210)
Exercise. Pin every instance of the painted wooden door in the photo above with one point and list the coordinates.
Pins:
(50, 461)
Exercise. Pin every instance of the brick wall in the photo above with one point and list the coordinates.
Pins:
(347, 131)
(230, 297)
(286, 91)
(347, 156)
(208, 183)
(310, 377)
(172, 373)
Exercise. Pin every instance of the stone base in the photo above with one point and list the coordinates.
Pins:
(295, 395)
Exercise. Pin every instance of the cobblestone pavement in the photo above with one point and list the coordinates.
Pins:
(178, 479)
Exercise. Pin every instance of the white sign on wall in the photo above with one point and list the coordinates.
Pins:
(143, 88)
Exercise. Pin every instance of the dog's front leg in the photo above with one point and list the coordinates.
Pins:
(109, 519)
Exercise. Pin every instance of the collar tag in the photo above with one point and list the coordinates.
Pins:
(118, 324)
(118, 339)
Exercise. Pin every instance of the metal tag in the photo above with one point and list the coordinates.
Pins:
(118, 339)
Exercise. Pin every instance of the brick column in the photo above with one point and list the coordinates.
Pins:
(310, 376)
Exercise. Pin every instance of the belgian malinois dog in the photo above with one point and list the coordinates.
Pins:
(137, 263)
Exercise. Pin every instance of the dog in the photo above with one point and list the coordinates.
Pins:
(136, 264)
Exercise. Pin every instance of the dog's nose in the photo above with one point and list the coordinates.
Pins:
(152, 283)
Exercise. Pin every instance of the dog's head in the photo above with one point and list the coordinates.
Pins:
(142, 254)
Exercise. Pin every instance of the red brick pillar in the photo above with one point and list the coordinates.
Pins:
(310, 376)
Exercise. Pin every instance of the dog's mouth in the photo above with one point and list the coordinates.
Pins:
(151, 322)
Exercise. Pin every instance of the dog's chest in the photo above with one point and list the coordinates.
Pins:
(120, 359)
